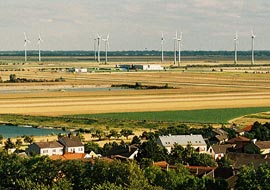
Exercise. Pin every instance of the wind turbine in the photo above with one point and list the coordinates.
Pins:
(175, 44)
(26, 41)
(235, 47)
(98, 44)
(39, 42)
(252, 47)
(95, 48)
(106, 40)
(162, 42)
(179, 40)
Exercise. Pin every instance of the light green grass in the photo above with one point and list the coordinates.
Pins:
(190, 116)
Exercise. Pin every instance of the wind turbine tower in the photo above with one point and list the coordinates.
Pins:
(175, 44)
(98, 44)
(235, 47)
(252, 47)
(39, 42)
(179, 40)
(162, 42)
(26, 41)
(106, 40)
(95, 48)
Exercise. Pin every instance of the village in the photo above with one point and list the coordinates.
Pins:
(218, 153)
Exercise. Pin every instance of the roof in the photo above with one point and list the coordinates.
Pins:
(238, 139)
(263, 144)
(69, 156)
(52, 144)
(219, 131)
(248, 128)
(123, 152)
(221, 148)
(200, 170)
(240, 159)
(72, 141)
(182, 140)
(162, 164)
(221, 137)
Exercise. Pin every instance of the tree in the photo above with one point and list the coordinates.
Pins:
(1, 139)
(114, 133)
(18, 143)
(136, 140)
(98, 134)
(9, 144)
(126, 132)
(12, 78)
(91, 146)
(28, 139)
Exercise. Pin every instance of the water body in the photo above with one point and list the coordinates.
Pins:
(17, 131)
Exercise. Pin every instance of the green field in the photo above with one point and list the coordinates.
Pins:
(190, 116)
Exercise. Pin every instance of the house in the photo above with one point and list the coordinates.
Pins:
(72, 144)
(219, 151)
(126, 153)
(219, 136)
(148, 67)
(240, 159)
(245, 130)
(262, 147)
(46, 148)
(240, 142)
(196, 141)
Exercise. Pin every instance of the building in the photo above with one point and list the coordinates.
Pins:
(72, 144)
(196, 141)
(262, 147)
(46, 148)
(218, 151)
(148, 67)
(219, 136)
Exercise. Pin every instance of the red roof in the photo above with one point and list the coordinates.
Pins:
(68, 156)
(247, 128)
(162, 164)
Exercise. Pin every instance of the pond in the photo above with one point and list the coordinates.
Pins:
(16, 131)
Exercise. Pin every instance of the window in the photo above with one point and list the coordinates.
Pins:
(45, 151)
(54, 150)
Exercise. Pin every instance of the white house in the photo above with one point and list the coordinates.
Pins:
(196, 141)
(46, 148)
(72, 144)
(218, 151)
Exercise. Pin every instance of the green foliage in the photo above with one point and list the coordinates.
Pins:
(260, 131)
(28, 139)
(150, 149)
(126, 132)
(188, 156)
(253, 179)
(91, 146)
(9, 144)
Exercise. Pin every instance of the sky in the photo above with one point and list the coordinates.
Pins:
(134, 24)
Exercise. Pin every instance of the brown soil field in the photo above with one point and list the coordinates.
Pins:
(192, 90)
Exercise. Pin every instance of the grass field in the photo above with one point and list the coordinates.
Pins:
(185, 116)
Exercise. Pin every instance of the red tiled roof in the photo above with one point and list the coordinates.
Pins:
(162, 164)
(69, 156)
(247, 128)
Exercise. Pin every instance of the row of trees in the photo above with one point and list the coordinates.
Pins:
(8, 144)
(42, 173)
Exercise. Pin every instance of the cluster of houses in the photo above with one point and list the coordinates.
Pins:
(71, 147)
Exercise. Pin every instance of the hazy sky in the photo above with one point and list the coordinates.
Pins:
(134, 24)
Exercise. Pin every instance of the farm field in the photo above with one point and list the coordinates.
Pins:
(191, 89)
